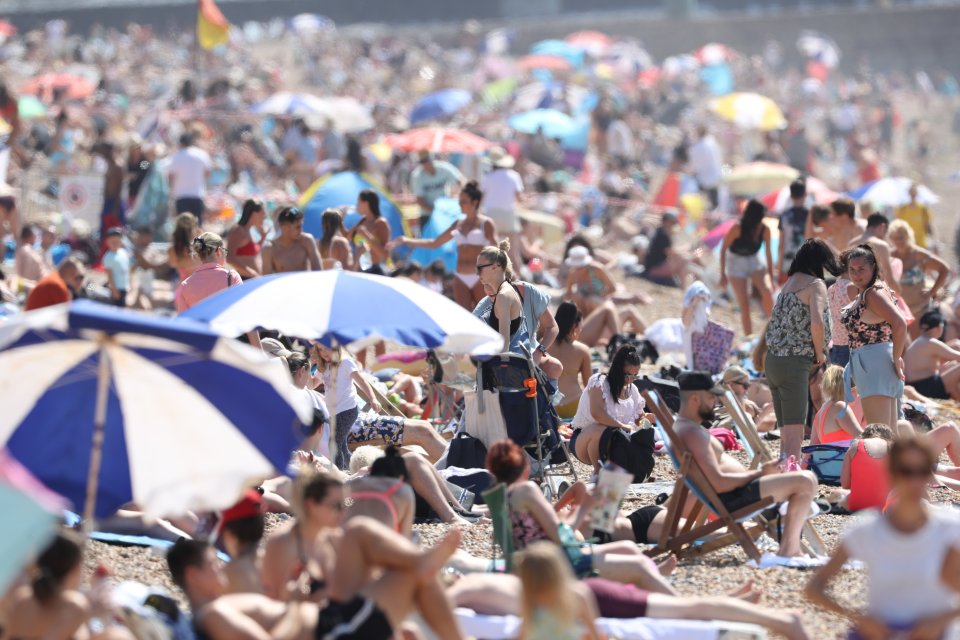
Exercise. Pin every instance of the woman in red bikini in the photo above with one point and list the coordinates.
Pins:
(244, 252)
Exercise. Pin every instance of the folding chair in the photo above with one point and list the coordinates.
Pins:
(691, 481)
(496, 501)
(746, 430)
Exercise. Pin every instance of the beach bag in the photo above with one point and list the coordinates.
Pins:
(633, 453)
(466, 452)
(711, 348)
(826, 461)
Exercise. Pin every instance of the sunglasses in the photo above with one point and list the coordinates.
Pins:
(481, 267)
(289, 215)
(745, 385)
(916, 417)
(631, 376)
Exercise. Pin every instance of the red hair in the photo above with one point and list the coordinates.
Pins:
(506, 461)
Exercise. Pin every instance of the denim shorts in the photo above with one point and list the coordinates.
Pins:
(871, 370)
(743, 266)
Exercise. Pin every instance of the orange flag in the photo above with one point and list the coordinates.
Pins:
(213, 29)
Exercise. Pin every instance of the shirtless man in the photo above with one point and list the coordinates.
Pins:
(356, 608)
(29, 263)
(736, 486)
(840, 229)
(241, 527)
(925, 362)
(292, 250)
(113, 209)
(875, 235)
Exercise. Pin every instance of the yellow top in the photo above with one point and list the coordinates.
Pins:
(918, 217)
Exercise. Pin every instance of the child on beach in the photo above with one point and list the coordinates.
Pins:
(555, 605)
(116, 264)
(341, 395)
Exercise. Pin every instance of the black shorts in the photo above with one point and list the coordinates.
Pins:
(358, 619)
(931, 387)
(741, 497)
(641, 520)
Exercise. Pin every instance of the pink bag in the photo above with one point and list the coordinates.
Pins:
(711, 348)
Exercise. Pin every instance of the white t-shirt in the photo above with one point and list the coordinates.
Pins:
(706, 162)
(188, 168)
(500, 189)
(620, 140)
(626, 411)
(346, 395)
(904, 570)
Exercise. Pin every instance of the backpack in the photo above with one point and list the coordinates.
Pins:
(466, 452)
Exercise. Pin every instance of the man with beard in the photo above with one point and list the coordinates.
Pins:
(735, 485)
(58, 286)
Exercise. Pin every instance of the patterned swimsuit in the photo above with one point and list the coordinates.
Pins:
(862, 333)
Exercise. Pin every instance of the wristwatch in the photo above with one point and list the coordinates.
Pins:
(542, 349)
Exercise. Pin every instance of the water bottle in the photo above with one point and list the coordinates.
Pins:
(101, 589)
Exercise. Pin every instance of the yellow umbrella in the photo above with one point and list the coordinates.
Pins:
(755, 178)
(749, 111)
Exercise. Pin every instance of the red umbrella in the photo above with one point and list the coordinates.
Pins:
(7, 30)
(438, 140)
(73, 87)
(714, 53)
(550, 63)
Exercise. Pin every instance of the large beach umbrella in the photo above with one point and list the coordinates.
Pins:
(820, 48)
(753, 178)
(285, 103)
(593, 42)
(541, 61)
(341, 190)
(346, 114)
(345, 308)
(749, 111)
(438, 140)
(107, 406)
(30, 522)
(555, 124)
(893, 192)
(71, 86)
(779, 199)
(439, 105)
(560, 49)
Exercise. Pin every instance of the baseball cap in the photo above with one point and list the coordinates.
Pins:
(249, 506)
(698, 381)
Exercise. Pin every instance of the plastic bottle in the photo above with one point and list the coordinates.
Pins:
(101, 587)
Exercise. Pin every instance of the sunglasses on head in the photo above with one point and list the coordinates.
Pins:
(916, 417)
(290, 214)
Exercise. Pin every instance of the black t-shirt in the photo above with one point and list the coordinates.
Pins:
(657, 253)
(793, 223)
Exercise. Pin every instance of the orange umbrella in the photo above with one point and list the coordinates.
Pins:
(438, 140)
(550, 63)
(72, 87)
(7, 30)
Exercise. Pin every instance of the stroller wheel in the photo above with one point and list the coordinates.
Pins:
(547, 491)
(562, 488)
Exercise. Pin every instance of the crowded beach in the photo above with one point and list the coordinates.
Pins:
(370, 336)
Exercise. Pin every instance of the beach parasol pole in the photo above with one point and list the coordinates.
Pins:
(99, 420)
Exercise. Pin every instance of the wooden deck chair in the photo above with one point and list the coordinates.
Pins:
(750, 438)
(691, 481)
(496, 500)
(746, 429)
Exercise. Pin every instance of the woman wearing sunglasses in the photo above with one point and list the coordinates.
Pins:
(496, 275)
(905, 550)
(610, 401)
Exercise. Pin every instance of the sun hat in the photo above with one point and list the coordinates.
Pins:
(578, 257)
(249, 506)
(500, 159)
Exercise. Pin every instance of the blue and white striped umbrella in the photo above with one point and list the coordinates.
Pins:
(347, 308)
(133, 407)
(286, 103)
(893, 192)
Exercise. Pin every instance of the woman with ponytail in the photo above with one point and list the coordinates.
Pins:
(496, 274)
(51, 606)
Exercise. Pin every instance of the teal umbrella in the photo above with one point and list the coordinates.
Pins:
(29, 107)
(30, 521)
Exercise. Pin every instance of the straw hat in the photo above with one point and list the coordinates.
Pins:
(500, 159)
(578, 257)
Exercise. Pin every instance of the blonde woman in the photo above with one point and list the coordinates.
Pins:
(836, 421)
(496, 274)
(917, 262)
(555, 605)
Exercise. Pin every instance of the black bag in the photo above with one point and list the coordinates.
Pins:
(466, 452)
(645, 349)
(668, 390)
(634, 453)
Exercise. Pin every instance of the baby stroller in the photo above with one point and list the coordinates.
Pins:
(530, 418)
